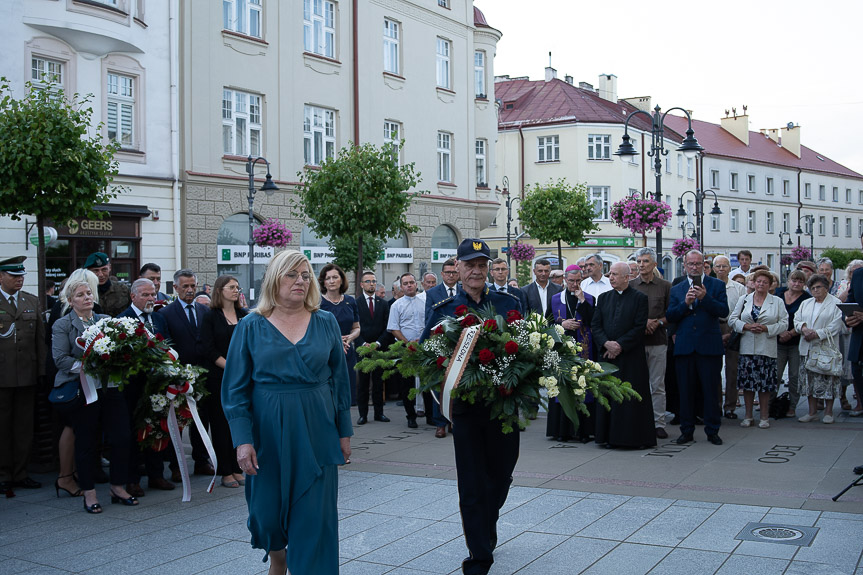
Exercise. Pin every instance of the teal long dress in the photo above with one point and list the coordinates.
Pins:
(292, 403)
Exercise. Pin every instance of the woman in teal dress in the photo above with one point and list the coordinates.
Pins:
(286, 396)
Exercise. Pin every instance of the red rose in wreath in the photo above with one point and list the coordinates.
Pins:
(486, 356)
(513, 315)
(440, 362)
(468, 321)
(511, 347)
(461, 310)
(504, 390)
(489, 325)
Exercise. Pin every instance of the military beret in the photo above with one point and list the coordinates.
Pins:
(96, 260)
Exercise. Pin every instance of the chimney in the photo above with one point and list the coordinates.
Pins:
(791, 138)
(642, 103)
(568, 79)
(586, 86)
(550, 73)
(607, 87)
(737, 126)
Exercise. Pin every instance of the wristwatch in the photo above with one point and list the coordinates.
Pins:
(661, 323)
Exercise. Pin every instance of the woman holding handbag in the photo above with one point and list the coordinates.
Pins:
(819, 322)
(760, 317)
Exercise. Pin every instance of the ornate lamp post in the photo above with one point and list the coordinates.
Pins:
(699, 196)
(269, 187)
(690, 148)
(810, 225)
(781, 265)
(509, 202)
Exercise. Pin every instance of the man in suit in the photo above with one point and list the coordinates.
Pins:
(441, 291)
(143, 294)
(539, 293)
(696, 305)
(153, 273)
(184, 319)
(499, 276)
(374, 314)
(22, 355)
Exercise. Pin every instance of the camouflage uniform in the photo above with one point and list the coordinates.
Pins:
(115, 299)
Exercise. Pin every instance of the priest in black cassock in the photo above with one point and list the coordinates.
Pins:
(618, 327)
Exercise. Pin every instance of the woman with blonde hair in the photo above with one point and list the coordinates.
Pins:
(286, 396)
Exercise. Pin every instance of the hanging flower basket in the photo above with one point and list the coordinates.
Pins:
(640, 215)
(786, 260)
(272, 233)
(683, 245)
(522, 252)
(800, 254)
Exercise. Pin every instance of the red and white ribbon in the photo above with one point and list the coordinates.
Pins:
(176, 438)
(457, 364)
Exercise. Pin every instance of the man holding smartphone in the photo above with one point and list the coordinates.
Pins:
(696, 305)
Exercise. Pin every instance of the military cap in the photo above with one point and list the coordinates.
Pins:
(13, 266)
(473, 248)
(96, 260)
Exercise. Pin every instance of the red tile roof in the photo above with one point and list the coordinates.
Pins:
(537, 102)
(761, 149)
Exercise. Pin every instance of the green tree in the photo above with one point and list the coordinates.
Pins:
(346, 250)
(358, 196)
(53, 162)
(557, 212)
(841, 258)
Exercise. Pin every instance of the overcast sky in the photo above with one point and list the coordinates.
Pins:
(788, 61)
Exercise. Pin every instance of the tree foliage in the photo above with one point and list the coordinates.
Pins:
(346, 250)
(53, 162)
(557, 212)
(357, 196)
(841, 258)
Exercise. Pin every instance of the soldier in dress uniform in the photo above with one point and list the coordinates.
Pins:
(114, 295)
(485, 457)
(22, 355)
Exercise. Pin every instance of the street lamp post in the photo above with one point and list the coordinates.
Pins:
(509, 201)
(699, 196)
(269, 187)
(690, 148)
(810, 224)
(685, 226)
(781, 265)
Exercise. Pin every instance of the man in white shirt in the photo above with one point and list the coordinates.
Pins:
(406, 323)
(744, 263)
(595, 283)
(733, 291)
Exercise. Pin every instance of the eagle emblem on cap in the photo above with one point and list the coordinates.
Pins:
(477, 245)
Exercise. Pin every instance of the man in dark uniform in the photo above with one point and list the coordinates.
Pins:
(485, 457)
(113, 295)
(22, 354)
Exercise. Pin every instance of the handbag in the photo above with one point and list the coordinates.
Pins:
(67, 397)
(824, 358)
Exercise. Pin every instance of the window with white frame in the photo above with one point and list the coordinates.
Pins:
(769, 190)
(668, 201)
(690, 168)
(786, 222)
(847, 195)
(548, 149)
(769, 222)
(444, 47)
(860, 227)
(393, 136)
(319, 135)
(734, 218)
(680, 165)
(319, 27)
(714, 223)
(822, 225)
(242, 16)
(481, 173)
(835, 227)
(443, 3)
(733, 181)
(786, 188)
(835, 194)
(750, 221)
(860, 197)
(714, 179)
(750, 183)
(667, 165)
(121, 109)
(599, 147)
(391, 46)
(598, 196)
(45, 73)
(444, 157)
(479, 74)
(847, 227)
(807, 191)
(241, 123)
(822, 193)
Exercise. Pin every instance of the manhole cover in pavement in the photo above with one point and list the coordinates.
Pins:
(772, 533)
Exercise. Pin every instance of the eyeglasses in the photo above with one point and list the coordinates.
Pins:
(293, 276)
(450, 272)
(233, 288)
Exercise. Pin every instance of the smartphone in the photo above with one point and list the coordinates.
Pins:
(696, 280)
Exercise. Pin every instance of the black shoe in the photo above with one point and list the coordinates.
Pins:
(412, 423)
(674, 421)
(714, 439)
(684, 438)
(95, 508)
(859, 470)
(383, 418)
(128, 501)
(362, 420)
(661, 433)
(204, 468)
(27, 483)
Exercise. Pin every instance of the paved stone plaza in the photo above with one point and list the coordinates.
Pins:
(573, 509)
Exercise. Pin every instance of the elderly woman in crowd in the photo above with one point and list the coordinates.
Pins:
(334, 299)
(760, 317)
(788, 353)
(287, 398)
(845, 340)
(107, 418)
(819, 322)
(825, 268)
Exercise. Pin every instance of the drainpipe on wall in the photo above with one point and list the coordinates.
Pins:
(521, 159)
(174, 35)
(356, 62)
(800, 206)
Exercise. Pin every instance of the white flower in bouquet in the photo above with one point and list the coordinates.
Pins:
(550, 360)
(103, 346)
(550, 383)
(559, 329)
(549, 341)
(535, 338)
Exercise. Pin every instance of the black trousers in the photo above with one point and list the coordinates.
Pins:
(111, 413)
(696, 372)
(223, 445)
(485, 458)
(373, 380)
(405, 385)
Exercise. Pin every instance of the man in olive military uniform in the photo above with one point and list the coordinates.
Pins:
(22, 353)
(485, 457)
(114, 295)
